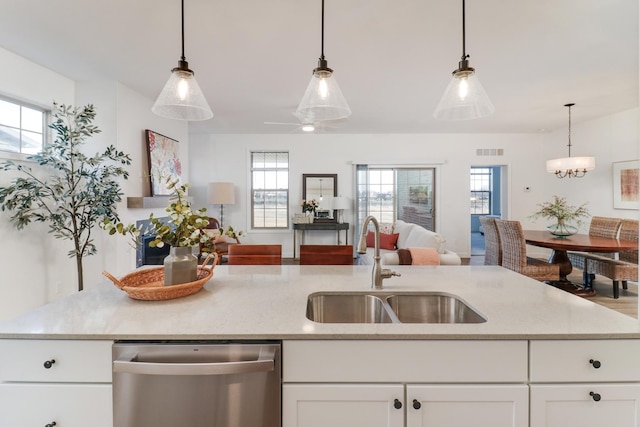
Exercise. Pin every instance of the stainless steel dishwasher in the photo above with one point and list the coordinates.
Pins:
(196, 384)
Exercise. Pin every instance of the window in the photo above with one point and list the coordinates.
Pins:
(481, 184)
(22, 127)
(390, 194)
(269, 189)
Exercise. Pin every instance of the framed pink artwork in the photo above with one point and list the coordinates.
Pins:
(626, 184)
(164, 162)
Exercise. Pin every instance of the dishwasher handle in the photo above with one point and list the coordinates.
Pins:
(264, 363)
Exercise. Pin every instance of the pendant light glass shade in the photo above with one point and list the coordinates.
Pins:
(323, 99)
(464, 98)
(181, 97)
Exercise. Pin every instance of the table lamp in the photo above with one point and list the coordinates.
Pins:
(340, 204)
(221, 193)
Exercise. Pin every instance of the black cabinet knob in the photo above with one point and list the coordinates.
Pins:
(397, 404)
(48, 364)
(51, 425)
(595, 396)
(416, 404)
(596, 363)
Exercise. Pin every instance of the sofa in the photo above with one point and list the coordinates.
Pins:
(404, 235)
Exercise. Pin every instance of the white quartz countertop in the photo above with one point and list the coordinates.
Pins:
(269, 302)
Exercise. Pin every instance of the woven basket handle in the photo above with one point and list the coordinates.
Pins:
(115, 281)
(206, 260)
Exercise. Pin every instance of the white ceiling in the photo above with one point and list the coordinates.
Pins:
(392, 58)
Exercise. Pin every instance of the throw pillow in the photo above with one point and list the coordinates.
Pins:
(387, 241)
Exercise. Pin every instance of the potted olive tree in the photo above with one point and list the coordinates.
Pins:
(67, 189)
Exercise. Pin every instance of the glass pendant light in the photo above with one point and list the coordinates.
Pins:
(464, 98)
(323, 99)
(571, 167)
(181, 98)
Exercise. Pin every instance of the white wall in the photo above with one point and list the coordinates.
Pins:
(610, 139)
(35, 267)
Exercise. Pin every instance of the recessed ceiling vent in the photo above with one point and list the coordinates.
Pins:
(489, 152)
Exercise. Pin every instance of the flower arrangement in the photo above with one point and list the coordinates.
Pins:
(309, 205)
(183, 229)
(230, 232)
(559, 210)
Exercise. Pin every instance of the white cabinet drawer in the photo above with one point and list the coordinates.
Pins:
(68, 405)
(74, 361)
(451, 361)
(585, 405)
(585, 361)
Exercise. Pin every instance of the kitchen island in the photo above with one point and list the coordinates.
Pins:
(269, 302)
(543, 357)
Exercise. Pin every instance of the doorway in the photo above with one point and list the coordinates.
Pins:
(487, 198)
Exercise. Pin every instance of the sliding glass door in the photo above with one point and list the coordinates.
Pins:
(396, 193)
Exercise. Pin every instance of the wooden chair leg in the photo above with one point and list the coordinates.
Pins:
(616, 289)
(624, 285)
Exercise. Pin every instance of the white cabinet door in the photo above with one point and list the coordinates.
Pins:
(585, 405)
(342, 405)
(468, 405)
(68, 405)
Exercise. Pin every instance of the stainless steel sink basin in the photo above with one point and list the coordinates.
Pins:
(346, 308)
(369, 307)
(433, 308)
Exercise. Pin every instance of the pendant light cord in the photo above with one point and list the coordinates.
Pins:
(182, 57)
(321, 33)
(569, 144)
(464, 50)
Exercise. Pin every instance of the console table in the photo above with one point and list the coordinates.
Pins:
(320, 226)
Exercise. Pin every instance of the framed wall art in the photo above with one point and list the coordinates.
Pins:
(164, 162)
(626, 182)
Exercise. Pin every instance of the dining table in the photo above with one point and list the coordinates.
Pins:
(575, 243)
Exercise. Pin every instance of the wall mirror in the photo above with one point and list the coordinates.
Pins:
(323, 188)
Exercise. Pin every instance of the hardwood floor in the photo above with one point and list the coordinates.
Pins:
(627, 303)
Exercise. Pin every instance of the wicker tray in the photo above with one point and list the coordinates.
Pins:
(148, 284)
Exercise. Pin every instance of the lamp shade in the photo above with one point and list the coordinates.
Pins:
(571, 164)
(221, 193)
(181, 98)
(340, 203)
(323, 100)
(464, 98)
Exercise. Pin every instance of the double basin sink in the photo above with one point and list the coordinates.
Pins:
(383, 307)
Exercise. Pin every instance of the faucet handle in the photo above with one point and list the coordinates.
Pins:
(386, 273)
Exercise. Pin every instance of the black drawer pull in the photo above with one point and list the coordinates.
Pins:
(416, 404)
(595, 396)
(48, 364)
(397, 404)
(596, 363)
(51, 425)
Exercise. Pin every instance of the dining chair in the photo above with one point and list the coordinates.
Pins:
(625, 267)
(514, 253)
(492, 249)
(326, 255)
(254, 255)
(600, 226)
